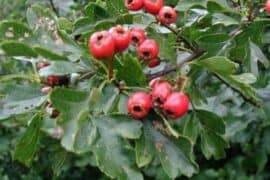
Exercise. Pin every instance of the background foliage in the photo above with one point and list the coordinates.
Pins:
(225, 136)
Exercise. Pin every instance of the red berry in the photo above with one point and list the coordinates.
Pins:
(153, 6)
(160, 93)
(54, 80)
(101, 45)
(54, 113)
(134, 5)
(46, 89)
(139, 105)
(267, 6)
(148, 49)
(167, 15)
(41, 65)
(155, 82)
(176, 105)
(137, 36)
(121, 38)
(153, 62)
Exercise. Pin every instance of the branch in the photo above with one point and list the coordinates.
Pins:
(168, 70)
(181, 38)
(54, 8)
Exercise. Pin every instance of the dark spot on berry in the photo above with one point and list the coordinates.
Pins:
(146, 54)
(100, 37)
(169, 113)
(137, 109)
(168, 15)
(130, 1)
(135, 40)
(159, 101)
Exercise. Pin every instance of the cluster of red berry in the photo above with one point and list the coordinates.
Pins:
(166, 15)
(104, 44)
(173, 104)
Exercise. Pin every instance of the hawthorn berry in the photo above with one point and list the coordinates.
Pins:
(121, 38)
(153, 62)
(134, 5)
(153, 6)
(155, 82)
(54, 80)
(54, 113)
(139, 105)
(176, 105)
(167, 15)
(137, 36)
(160, 93)
(267, 6)
(41, 65)
(148, 50)
(102, 45)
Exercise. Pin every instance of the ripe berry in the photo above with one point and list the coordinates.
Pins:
(139, 105)
(121, 38)
(167, 15)
(155, 82)
(101, 45)
(267, 6)
(153, 62)
(148, 49)
(134, 5)
(54, 113)
(153, 6)
(54, 80)
(41, 65)
(160, 93)
(137, 36)
(176, 105)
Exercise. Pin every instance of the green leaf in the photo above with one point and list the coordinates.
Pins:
(219, 18)
(175, 154)
(246, 90)
(73, 106)
(112, 151)
(14, 30)
(185, 5)
(129, 67)
(20, 99)
(192, 129)
(256, 56)
(144, 151)
(95, 12)
(60, 68)
(107, 99)
(15, 48)
(213, 144)
(218, 64)
(116, 7)
(167, 44)
(215, 44)
(224, 69)
(211, 121)
(27, 146)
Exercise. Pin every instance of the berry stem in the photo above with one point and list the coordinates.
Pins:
(184, 81)
(110, 69)
(167, 124)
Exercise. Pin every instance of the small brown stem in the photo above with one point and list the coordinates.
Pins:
(170, 69)
(86, 75)
(110, 69)
(181, 38)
